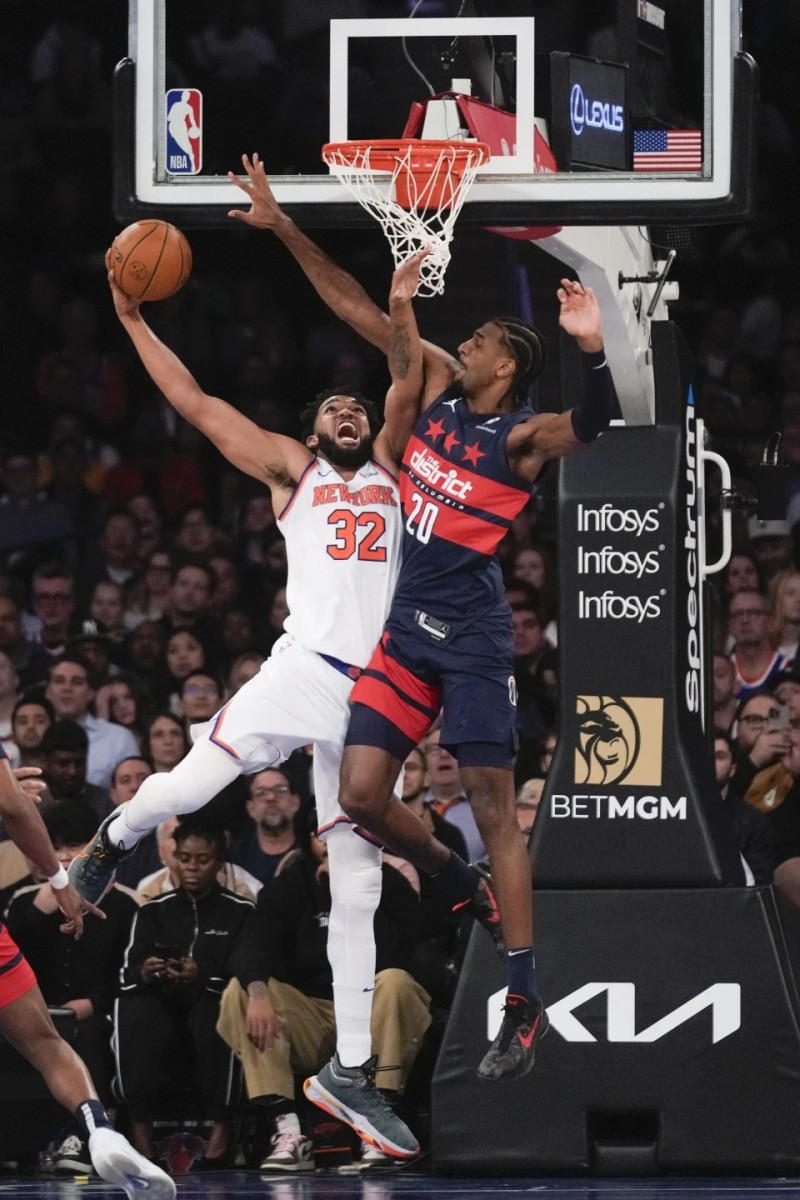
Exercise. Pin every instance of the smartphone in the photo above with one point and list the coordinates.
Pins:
(779, 717)
(168, 952)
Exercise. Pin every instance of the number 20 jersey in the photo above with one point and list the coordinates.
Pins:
(343, 547)
(460, 498)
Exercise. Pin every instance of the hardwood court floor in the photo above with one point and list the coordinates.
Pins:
(417, 1184)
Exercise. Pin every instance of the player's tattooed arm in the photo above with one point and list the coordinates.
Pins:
(405, 359)
(342, 293)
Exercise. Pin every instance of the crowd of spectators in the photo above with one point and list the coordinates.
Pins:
(142, 581)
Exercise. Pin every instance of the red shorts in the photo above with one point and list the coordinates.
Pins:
(16, 976)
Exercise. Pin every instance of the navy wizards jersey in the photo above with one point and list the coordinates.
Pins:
(459, 499)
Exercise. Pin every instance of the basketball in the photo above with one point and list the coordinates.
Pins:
(151, 260)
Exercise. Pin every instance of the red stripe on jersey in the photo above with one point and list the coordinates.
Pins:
(463, 528)
(452, 479)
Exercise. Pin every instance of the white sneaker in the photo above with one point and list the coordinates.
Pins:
(291, 1151)
(72, 1156)
(372, 1156)
(116, 1161)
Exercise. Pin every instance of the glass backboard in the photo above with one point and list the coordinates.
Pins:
(614, 112)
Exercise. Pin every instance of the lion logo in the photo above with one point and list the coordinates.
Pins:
(608, 740)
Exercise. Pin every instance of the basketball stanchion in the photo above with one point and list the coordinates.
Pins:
(415, 189)
(674, 1039)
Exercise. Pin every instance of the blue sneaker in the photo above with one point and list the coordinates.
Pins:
(93, 872)
(350, 1095)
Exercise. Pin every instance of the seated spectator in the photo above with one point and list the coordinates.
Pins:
(270, 833)
(725, 702)
(165, 878)
(784, 816)
(128, 777)
(82, 975)
(534, 567)
(143, 653)
(94, 647)
(28, 518)
(446, 796)
(53, 594)
(750, 828)
(196, 537)
(760, 743)
(70, 692)
(228, 591)
(786, 684)
(185, 652)
(184, 948)
(144, 509)
(238, 633)
(165, 741)
(29, 720)
(9, 696)
(534, 665)
(125, 701)
(201, 697)
(107, 608)
(190, 601)
(148, 596)
(281, 1021)
(69, 466)
(65, 748)
(117, 555)
(771, 543)
(529, 798)
(753, 657)
(437, 956)
(243, 669)
(784, 602)
(30, 661)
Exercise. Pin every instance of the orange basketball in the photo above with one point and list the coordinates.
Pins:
(151, 260)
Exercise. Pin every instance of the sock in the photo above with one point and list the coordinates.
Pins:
(456, 880)
(90, 1116)
(521, 968)
(287, 1122)
(355, 874)
(196, 779)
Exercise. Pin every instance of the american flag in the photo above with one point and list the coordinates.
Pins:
(667, 150)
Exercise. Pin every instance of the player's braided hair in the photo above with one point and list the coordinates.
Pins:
(309, 414)
(527, 348)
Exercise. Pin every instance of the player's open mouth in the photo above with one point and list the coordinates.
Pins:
(347, 432)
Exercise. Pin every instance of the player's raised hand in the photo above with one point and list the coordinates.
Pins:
(405, 280)
(73, 906)
(580, 314)
(124, 304)
(264, 211)
(29, 782)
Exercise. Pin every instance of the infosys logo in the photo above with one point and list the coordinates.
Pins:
(429, 467)
(593, 114)
(608, 519)
(608, 606)
(609, 561)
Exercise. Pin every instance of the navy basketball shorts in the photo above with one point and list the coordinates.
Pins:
(412, 675)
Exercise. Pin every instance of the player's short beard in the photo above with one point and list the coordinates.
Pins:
(349, 457)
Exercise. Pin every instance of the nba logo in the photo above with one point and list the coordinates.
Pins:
(184, 114)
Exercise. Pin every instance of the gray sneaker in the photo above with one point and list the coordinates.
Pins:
(92, 873)
(350, 1095)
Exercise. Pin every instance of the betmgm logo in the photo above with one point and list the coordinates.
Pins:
(723, 999)
(619, 738)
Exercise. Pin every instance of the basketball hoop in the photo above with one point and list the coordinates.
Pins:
(418, 204)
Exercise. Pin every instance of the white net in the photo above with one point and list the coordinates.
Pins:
(414, 189)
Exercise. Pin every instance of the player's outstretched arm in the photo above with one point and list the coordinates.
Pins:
(343, 294)
(554, 435)
(404, 358)
(266, 456)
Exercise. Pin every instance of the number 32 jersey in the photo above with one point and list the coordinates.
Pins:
(343, 547)
(459, 499)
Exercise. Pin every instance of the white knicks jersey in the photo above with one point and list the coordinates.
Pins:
(343, 544)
